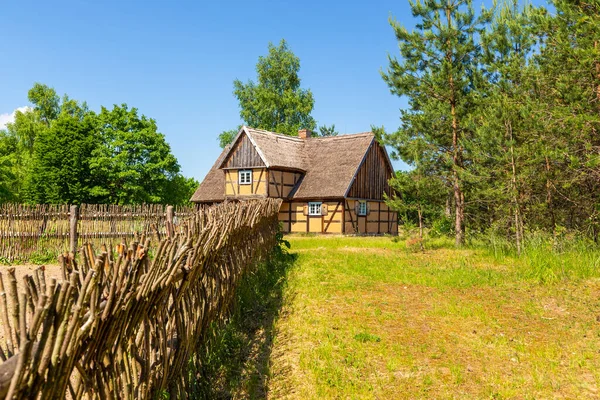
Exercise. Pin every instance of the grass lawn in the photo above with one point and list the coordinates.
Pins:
(365, 318)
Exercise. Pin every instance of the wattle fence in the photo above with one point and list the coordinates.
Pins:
(125, 324)
(28, 231)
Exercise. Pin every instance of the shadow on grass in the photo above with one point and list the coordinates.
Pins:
(237, 360)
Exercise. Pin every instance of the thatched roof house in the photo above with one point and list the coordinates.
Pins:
(330, 185)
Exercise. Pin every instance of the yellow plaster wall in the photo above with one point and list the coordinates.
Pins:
(374, 222)
(315, 224)
(333, 221)
(299, 220)
(257, 188)
(279, 189)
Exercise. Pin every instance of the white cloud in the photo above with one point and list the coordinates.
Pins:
(7, 118)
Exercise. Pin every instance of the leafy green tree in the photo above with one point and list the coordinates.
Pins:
(22, 134)
(134, 163)
(46, 102)
(276, 102)
(8, 158)
(17, 148)
(227, 137)
(179, 190)
(60, 167)
(58, 151)
(382, 137)
(327, 131)
(438, 73)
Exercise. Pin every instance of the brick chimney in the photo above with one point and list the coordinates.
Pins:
(304, 133)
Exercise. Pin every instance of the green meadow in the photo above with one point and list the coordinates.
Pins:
(365, 318)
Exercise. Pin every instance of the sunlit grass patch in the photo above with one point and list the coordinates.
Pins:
(365, 318)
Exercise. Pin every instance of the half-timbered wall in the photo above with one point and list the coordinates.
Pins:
(341, 218)
(371, 180)
(292, 218)
(243, 155)
(282, 183)
(257, 188)
(379, 219)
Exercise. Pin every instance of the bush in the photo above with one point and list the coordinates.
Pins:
(441, 227)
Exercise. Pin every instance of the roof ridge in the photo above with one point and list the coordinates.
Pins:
(346, 136)
(279, 135)
(297, 139)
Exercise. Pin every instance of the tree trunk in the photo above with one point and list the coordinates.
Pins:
(448, 210)
(549, 199)
(515, 191)
(456, 156)
(420, 222)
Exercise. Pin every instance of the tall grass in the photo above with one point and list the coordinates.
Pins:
(236, 358)
(546, 258)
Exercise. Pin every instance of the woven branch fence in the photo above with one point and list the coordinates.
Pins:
(26, 230)
(128, 326)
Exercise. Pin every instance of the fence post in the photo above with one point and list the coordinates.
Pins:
(170, 215)
(74, 216)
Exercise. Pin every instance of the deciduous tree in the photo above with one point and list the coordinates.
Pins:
(276, 102)
(134, 163)
(60, 170)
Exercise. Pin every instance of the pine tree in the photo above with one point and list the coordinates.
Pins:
(567, 88)
(438, 73)
(502, 151)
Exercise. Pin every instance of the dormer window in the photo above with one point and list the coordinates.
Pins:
(245, 177)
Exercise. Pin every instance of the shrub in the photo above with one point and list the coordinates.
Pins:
(442, 226)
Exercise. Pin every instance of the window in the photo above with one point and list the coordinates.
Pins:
(245, 177)
(314, 208)
(362, 208)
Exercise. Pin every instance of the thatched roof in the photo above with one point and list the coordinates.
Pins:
(333, 162)
(277, 150)
(212, 188)
(329, 164)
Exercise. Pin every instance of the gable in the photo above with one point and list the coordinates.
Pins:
(243, 154)
(371, 180)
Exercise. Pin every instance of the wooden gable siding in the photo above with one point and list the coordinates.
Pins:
(243, 155)
(371, 180)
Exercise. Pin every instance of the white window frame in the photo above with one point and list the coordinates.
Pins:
(245, 177)
(314, 208)
(362, 208)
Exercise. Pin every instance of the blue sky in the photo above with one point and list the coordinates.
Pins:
(176, 60)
